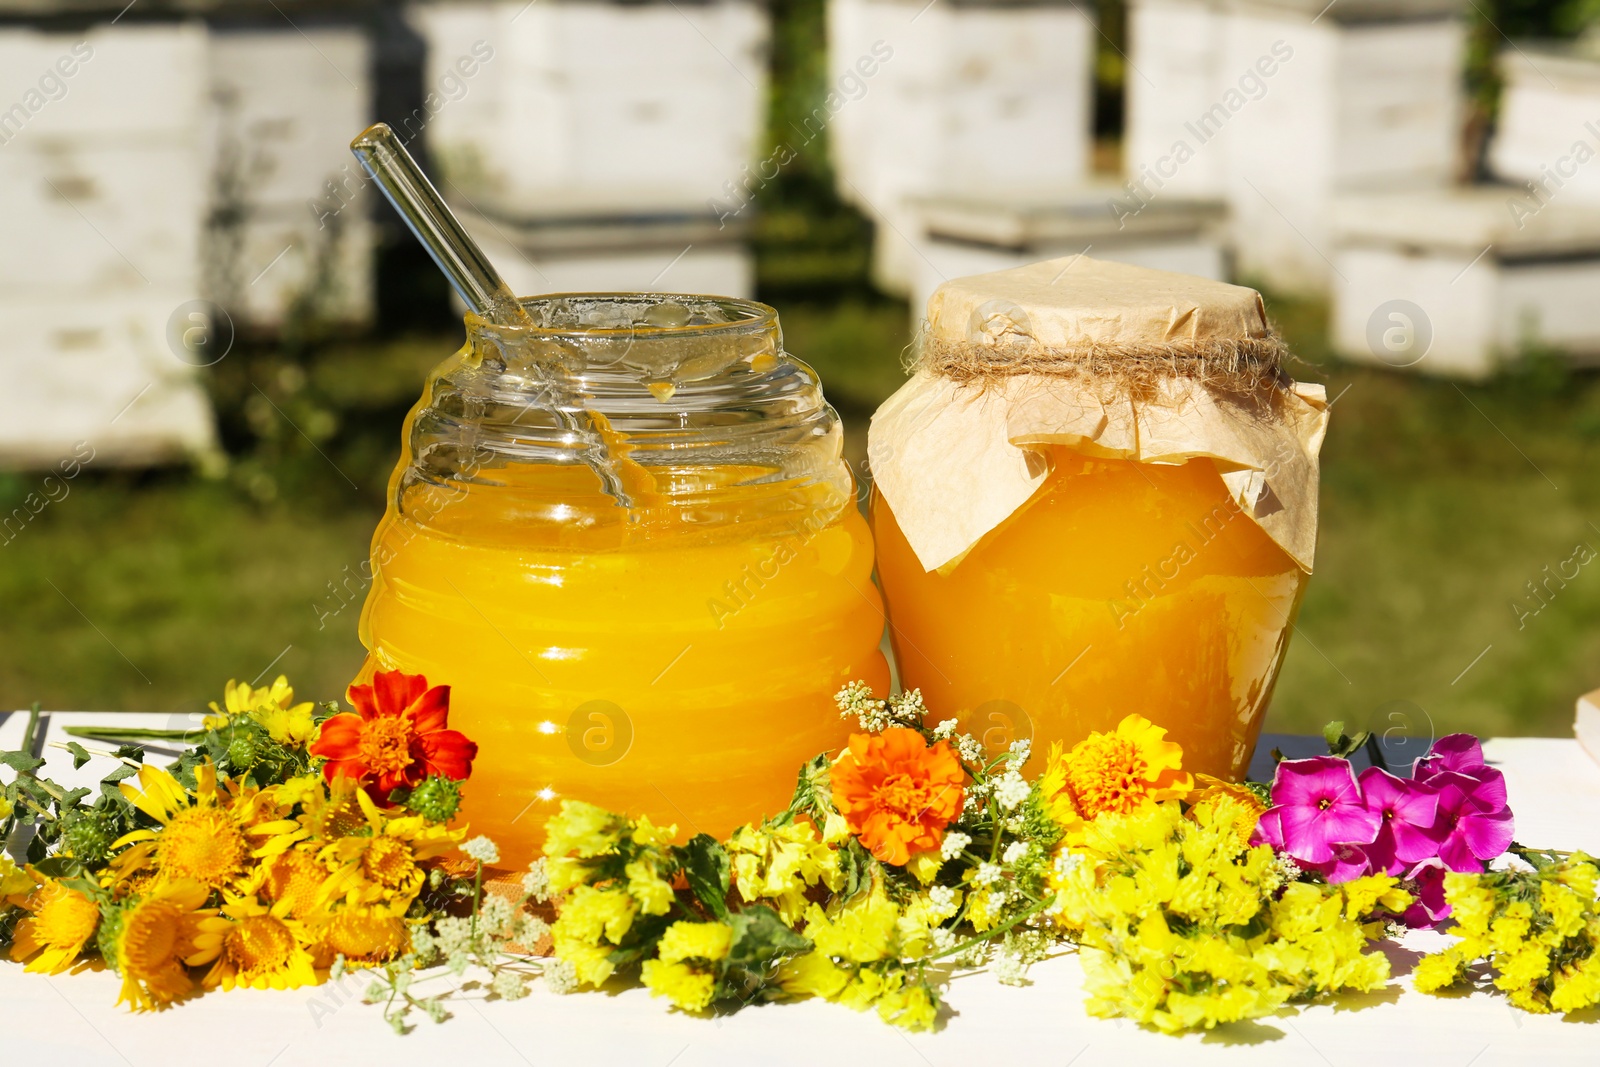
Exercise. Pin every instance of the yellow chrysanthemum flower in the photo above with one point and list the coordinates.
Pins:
(60, 922)
(1116, 773)
(293, 878)
(252, 945)
(203, 839)
(154, 935)
(695, 940)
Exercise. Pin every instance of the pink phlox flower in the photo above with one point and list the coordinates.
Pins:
(1473, 825)
(1316, 805)
(1426, 883)
(1408, 810)
(1461, 753)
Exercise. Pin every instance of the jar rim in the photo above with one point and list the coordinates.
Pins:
(752, 315)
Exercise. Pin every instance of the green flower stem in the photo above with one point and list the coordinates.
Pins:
(990, 935)
(477, 891)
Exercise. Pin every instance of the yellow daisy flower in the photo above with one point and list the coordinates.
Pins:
(381, 864)
(251, 945)
(294, 879)
(61, 921)
(327, 811)
(203, 840)
(272, 706)
(361, 934)
(156, 933)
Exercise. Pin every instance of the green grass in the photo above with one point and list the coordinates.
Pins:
(1439, 504)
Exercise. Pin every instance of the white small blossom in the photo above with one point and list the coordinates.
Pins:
(336, 972)
(908, 707)
(970, 748)
(375, 992)
(453, 934)
(1285, 868)
(483, 850)
(1009, 969)
(1010, 790)
(494, 914)
(946, 728)
(530, 930)
(435, 1009)
(988, 874)
(458, 963)
(422, 943)
(1015, 824)
(954, 842)
(1020, 751)
(560, 976)
(856, 699)
(509, 985)
(536, 883)
(1066, 863)
(1014, 851)
(942, 899)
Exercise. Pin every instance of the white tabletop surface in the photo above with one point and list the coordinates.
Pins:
(70, 1019)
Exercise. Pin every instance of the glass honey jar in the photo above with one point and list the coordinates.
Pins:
(670, 653)
(1097, 496)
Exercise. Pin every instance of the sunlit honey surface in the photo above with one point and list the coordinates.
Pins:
(679, 664)
(1121, 587)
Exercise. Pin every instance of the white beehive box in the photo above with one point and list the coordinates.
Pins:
(624, 107)
(1477, 286)
(960, 98)
(1549, 127)
(567, 253)
(101, 242)
(966, 235)
(283, 107)
(1279, 105)
(1175, 71)
(1370, 99)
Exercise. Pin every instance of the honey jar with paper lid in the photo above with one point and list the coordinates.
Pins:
(1096, 496)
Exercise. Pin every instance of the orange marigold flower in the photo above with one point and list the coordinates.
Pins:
(395, 738)
(1117, 772)
(897, 793)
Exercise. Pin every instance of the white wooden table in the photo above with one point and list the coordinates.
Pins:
(70, 1019)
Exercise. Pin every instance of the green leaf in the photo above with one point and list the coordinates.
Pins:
(80, 755)
(705, 867)
(1333, 733)
(859, 868)
(641, 941)
(21, 762)
(760, 942)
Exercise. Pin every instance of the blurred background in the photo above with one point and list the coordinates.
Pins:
(211, 328)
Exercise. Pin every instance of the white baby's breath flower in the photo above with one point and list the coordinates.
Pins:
(946, 728)
(988, 874)
(483, 850)
(856, 699)
(1008, 968)
(1066, 862)
(953, 844)
(1014, 851)
(942, 899)
(908, 707)
(970, 748)
(536, 883)
(494, 914)
(1010, 790)
(1020, 751)
(453, 934)
(560, 976)
(530, 930)
(509, 985)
